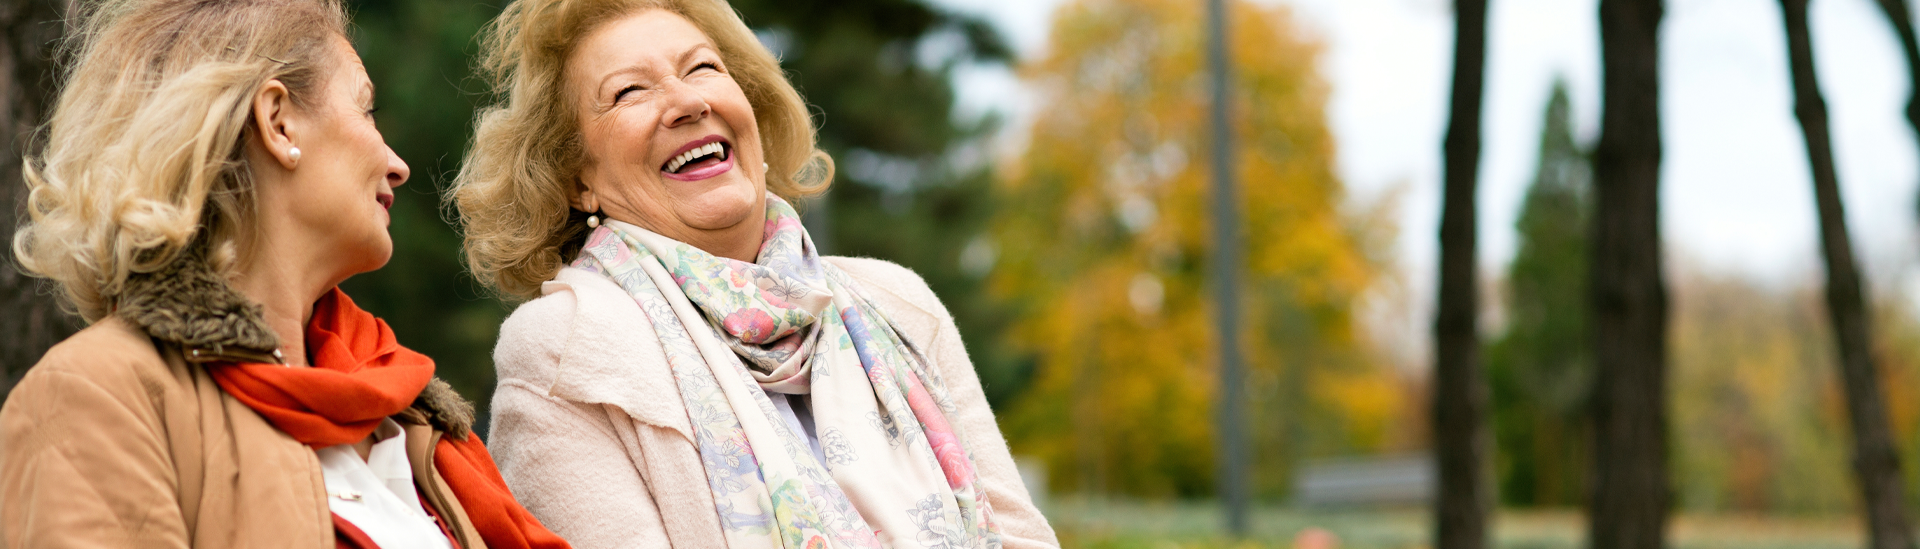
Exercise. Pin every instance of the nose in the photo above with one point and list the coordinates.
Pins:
(685, 105)
(397, 170)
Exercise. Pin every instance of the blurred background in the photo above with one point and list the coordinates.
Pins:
(1042, 163)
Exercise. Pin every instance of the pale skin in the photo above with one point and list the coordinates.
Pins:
(322, 217)
(649, 86)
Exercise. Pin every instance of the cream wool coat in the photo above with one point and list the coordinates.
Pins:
(590, 431)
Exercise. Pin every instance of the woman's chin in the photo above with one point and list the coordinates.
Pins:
(723, 206)
(371, 256)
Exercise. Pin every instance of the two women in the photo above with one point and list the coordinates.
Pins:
(689, 371)
(212, 173)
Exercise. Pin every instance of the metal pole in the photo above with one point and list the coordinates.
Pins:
(1226, 285)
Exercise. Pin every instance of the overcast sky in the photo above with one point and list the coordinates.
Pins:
(1736, 196)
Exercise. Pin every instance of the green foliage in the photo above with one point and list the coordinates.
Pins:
(419, 54)
(1541, 370)
(877, 70)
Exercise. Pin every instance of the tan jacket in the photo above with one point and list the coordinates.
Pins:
(115, 439)
(591, 433)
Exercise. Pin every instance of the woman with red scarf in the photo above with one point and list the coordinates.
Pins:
(212, 174)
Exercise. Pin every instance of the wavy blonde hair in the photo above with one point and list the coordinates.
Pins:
(514, 191)
(145, 151)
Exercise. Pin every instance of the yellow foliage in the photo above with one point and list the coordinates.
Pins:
(1104, 235)
(1759, 415)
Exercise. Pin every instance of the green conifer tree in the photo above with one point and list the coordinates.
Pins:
(1541, 369)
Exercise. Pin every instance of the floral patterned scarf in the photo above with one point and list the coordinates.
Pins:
(897, 471)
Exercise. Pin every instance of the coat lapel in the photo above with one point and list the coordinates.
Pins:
(613, 357)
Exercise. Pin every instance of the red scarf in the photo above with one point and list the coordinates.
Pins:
(361, 375)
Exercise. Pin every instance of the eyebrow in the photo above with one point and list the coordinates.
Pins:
(696, 49)
(681, 60)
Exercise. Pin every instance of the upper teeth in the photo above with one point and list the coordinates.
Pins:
(697, 152)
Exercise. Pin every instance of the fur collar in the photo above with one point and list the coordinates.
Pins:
(189, 305)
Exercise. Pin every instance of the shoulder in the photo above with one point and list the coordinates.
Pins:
(108, 362)
(541, 316)
(582, 316)
(536, 332)
(890, 280)
(108, 350)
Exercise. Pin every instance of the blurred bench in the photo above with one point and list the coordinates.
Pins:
(1365, 481)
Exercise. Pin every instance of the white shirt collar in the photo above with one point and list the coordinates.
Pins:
(377, 494)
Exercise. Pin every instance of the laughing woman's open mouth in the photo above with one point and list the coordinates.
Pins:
(700, 159)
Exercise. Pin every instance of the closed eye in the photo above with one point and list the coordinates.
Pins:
(623, 92)
(704, 65)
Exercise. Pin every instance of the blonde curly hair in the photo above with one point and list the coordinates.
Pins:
(514, 191)
(145, 149)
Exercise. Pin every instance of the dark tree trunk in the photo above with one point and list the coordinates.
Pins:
(1460, 437)
(1630, 492)
(30, 320)
(1875, 462)
(1901, 17)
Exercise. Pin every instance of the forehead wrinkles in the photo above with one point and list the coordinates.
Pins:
(613, 46)
(585, 67)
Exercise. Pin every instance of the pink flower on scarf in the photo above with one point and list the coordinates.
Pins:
(953, 458)
(750, 325)
(738, 279)
(946, 445)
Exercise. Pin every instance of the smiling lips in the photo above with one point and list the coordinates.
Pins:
(699, 159)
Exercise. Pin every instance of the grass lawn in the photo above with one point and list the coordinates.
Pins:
(1146, 525)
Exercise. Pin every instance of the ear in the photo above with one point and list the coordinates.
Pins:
(274, 121)
(583, 197)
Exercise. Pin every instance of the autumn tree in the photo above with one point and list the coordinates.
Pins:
(1759, 426)
(1104, 235)
(1540, 370)
(1631, 496)
(30, 320)
(1876, 463)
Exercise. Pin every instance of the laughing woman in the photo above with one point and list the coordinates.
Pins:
(212, 173)
(689, 372)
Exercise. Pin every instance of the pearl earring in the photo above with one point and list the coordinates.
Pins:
(593, 221)
(293, 153)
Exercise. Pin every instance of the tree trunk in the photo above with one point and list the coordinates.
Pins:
(1901, 17)
(30, 320)
(1460, 437)
(1630, 491)
(1875, 462)
(1899, 14)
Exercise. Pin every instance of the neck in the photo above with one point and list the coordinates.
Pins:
(740, 242)
(732, 242)
(287, 291)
